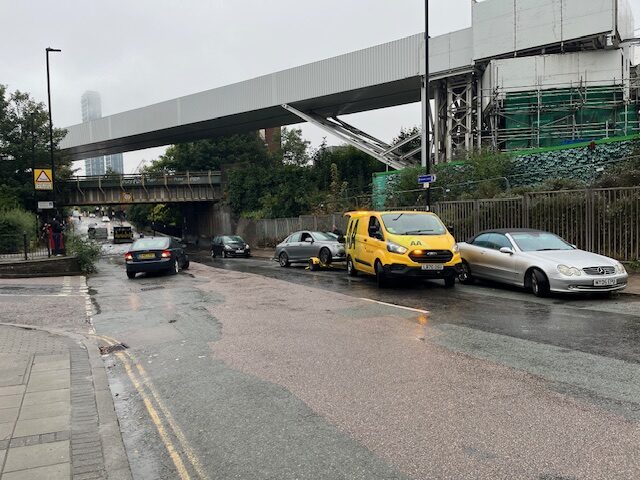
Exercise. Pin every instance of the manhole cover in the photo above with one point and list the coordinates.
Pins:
(154, 287)
(107, 349)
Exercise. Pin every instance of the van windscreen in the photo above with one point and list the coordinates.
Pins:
(413, 224)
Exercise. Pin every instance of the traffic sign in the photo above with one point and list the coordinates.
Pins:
(45, 205)
(427, 178)
(42, 179)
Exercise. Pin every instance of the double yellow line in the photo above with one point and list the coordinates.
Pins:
(151, 399)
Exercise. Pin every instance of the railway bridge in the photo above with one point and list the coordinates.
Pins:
(142, 188)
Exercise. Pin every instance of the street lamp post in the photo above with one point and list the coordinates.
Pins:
(48, 50)
(426, 105)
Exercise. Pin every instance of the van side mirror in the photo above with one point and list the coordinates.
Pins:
(451, 229)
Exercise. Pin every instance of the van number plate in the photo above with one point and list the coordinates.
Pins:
(433, 266)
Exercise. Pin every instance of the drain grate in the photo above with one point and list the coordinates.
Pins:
(107, 349)
(154, 287)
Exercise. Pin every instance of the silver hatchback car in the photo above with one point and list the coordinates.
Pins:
(540, 261)
(299, 247)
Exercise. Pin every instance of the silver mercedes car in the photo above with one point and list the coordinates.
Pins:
(299, 247)
(539, 261)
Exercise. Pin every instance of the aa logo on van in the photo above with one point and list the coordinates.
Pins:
(415, 243)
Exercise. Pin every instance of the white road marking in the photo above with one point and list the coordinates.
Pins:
(417, 310)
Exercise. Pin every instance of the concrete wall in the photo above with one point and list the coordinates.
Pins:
(48, 267)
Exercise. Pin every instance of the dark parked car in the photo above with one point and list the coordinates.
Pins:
(229, 246)
(156, 254)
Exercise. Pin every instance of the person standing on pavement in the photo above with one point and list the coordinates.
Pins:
(56, 230)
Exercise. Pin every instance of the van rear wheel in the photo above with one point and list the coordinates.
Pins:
(351, 268)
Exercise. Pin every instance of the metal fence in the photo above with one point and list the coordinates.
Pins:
(273, 230)
(21, 246)
(605, 221)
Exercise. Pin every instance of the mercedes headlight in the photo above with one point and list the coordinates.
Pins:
(620, 268)
(569, 271)
(395, 248)
(228, 247)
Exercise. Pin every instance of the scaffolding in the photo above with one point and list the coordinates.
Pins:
(550, 117)
(529, 117)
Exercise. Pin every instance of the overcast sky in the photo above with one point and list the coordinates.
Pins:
(145, 51)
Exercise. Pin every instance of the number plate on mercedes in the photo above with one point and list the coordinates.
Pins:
(433, 267)
(605, 282)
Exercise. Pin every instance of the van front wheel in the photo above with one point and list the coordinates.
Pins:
(449, 281)
(381, 277)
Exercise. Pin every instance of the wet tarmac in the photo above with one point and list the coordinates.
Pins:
(594, 324)
(241, 376)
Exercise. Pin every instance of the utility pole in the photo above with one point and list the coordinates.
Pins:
(53, 170)
(426, 106)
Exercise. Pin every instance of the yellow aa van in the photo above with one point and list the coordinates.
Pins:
(400, 244)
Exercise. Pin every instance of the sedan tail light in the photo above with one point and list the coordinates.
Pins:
(165, 254)
(128, 256)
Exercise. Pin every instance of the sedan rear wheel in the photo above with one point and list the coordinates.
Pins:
(131, 275)
(283, 259)
(176, 267)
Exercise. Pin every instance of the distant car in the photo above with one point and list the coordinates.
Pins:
(92, 215)
(299, 247)
(106, 219)
(229, 246)
(155, 254)
(540, 261)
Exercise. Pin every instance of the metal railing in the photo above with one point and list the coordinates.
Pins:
(603, 220)
(21, 246)
(146, 179)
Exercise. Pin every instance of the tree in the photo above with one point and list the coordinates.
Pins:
(337, 197)
(295, 149)
(24, 138)
(213, 154)
(410, 146)
(355, 167)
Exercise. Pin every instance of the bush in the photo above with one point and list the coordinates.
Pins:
(86, 250)
(13, 223)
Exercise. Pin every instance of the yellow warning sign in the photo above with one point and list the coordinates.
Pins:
(42, 179)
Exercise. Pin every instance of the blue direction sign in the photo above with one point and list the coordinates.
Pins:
(426, 179)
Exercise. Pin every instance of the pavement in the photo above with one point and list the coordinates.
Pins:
(633, 287)
(57, 419)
